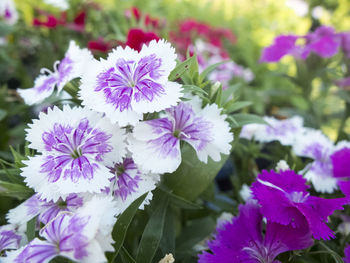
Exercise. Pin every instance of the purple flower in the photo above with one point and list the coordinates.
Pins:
(70, 67)
(157, 144)
(241, 240)
(324, 42)
(345, 43)
(45, 210)
(284, 199)
(130, 83)
(129, 183)
(8, 238)
(347, 254)
(283, 45)
(76, 145)
(8, 11)
(341, 170)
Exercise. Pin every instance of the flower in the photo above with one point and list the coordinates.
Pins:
(70, 67)
(341, 171)
(8, 238)
(283, 45)
(241, 239)
(314, 144)
(130, 83)
(100, 45)
(129, 183)
(323, 41)
(284, 199)
(285, 131)
(76, 145)
(156, 146)
(347, 254)
(8, 11)
(83, 236)
(137, 38)
(45, 210)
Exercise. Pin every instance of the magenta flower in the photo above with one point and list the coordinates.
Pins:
(347, 254)
(341, 170)
(283, 45)
(324, 42)
(284, 199)
(241, 240)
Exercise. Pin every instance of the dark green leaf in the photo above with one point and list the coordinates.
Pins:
(122, 224)
(3, 114)
(31, 229)
(125, 256)
(15, 190)
(153, 231)
(181, 202)
(167, 243)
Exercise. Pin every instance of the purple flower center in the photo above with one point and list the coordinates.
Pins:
(130, 80)
(74, 152)
(259, 252)
(127, 178)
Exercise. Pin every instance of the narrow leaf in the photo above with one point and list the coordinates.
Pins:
(211, 68)
(237, 106)
(153, 231)
(180, 69)
(243, 119)
(122, 224)
(125, 256)
(31, 229)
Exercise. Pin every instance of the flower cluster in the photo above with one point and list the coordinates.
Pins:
(292, 217)
(93, 161)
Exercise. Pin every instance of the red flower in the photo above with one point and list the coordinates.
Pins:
(99, 45)
(136, 38)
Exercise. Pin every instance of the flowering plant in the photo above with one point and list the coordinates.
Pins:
(131, 136)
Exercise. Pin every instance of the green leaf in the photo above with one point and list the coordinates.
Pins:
(168, 240)
(193, 176)
(153, 231)
(180, 69)
(3, 114)
(335, 256)
(121, 226)
(180, 202)
(31, 229)
(17, 157)
(210, 69)
(193, 88)
(18, 191)
(237, 106)
(125, 256)
(244, 119)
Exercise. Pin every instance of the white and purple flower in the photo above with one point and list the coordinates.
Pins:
(70, 67)
(129, 183)
(76, 145)
(314, 144)
(45, 211)
(8, 11)
(83, 236)
(285, 131)
(9, 239)
(130, 83)
(156, 147)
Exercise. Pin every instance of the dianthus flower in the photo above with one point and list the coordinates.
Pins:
(285, 131)
(129, 183)
(9, 239)
(347, 254)
(341, 171)
(130, 83)
(314, 144)
(45, 211)
(323, 41)
(83, 236)
(136, 38)
(70, 67)
(241, 239)
(284, 199)
(76, 145)
(8, 11)
(156, 146)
